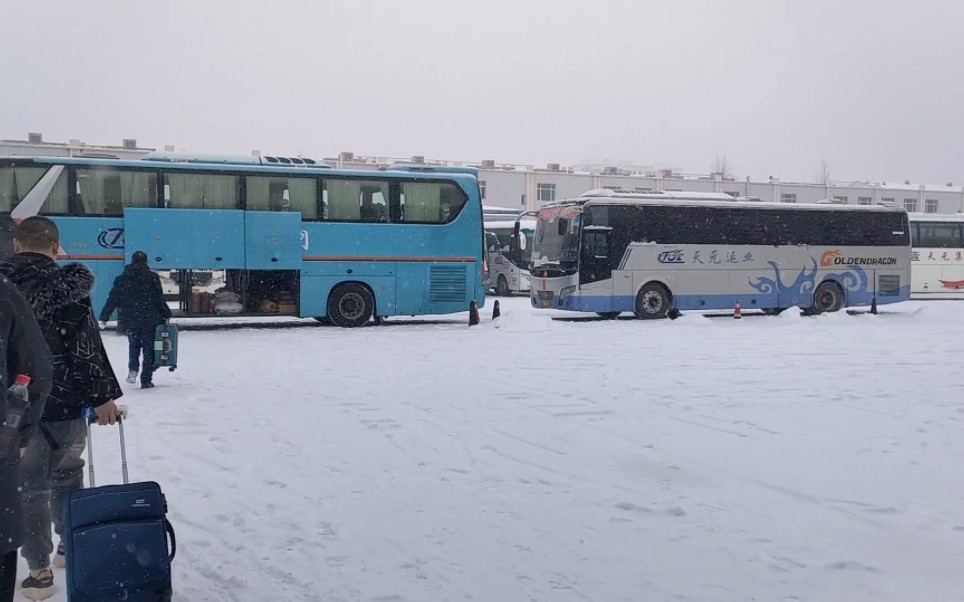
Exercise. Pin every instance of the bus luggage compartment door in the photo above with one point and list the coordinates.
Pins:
(273, 240)
(186, 238)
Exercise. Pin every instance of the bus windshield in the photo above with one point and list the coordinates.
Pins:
(525, 247)
(556, 240)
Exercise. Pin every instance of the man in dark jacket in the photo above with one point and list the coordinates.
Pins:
(22, 351)
(82, 377)
(139, 299)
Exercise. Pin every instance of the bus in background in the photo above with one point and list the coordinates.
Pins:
(652, 253)
(938, 255)
(509, 255)
(491, 213)
(291, 236)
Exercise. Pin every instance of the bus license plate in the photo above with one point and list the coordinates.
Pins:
(545, 299)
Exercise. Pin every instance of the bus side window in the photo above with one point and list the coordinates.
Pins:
(430, 202)
(596, 245)
(940, 235)
(108, 191)
(202, 191)
(374, 203)
(282, 194)
(492, 242)
(16, 182)
(347, 200)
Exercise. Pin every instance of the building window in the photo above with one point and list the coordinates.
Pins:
(888, 201)
(930, 206)
(910, 205)
(545, 193)
(788, 197)
(865, 200)
(482, 189)
(842, 199)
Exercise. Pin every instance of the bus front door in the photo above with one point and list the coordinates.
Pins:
(595, 261)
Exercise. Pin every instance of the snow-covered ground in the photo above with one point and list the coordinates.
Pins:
(772, 458)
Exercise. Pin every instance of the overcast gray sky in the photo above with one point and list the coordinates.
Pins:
(776, 86)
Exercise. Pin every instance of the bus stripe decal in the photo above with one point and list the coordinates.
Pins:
(91, 257)
(398, 259)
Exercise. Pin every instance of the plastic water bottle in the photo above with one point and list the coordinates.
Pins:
(18, 399)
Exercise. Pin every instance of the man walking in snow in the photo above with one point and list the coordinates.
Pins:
(139, 299)
(52, 466)
(22, 351)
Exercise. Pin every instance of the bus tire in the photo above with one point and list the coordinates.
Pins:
(502, 286)
(653, 302)
(350, 305)
(828, 297)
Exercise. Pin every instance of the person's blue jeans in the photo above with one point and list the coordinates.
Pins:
(141, 341)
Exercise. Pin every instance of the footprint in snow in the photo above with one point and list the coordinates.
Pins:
(852, 565)
(631, 507)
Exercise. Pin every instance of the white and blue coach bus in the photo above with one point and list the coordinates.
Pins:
(650, 253)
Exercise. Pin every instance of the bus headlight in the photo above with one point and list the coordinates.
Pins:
(565, 292)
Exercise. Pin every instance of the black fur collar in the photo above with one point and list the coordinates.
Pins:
(46, 286)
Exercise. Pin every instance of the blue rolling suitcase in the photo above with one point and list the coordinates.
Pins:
(165, 346)
(119, 543)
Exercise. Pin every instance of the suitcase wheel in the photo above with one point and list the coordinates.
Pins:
(172, 369)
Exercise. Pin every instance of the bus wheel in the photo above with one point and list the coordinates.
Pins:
(502, 286)
(828, 297)
(608, 315)
(350, 304)
(652, 302)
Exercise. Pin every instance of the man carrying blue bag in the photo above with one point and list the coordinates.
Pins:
(138, 297)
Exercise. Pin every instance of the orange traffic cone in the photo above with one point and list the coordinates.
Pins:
(736, 311)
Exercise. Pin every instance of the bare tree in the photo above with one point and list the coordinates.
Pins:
(722, 167)
(823, 177)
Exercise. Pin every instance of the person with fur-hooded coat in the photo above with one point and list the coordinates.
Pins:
(52, 465)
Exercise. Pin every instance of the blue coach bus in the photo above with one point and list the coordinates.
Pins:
(340, 245)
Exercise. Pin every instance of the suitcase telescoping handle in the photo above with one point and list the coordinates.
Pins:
(92, 418)
(122, 411)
